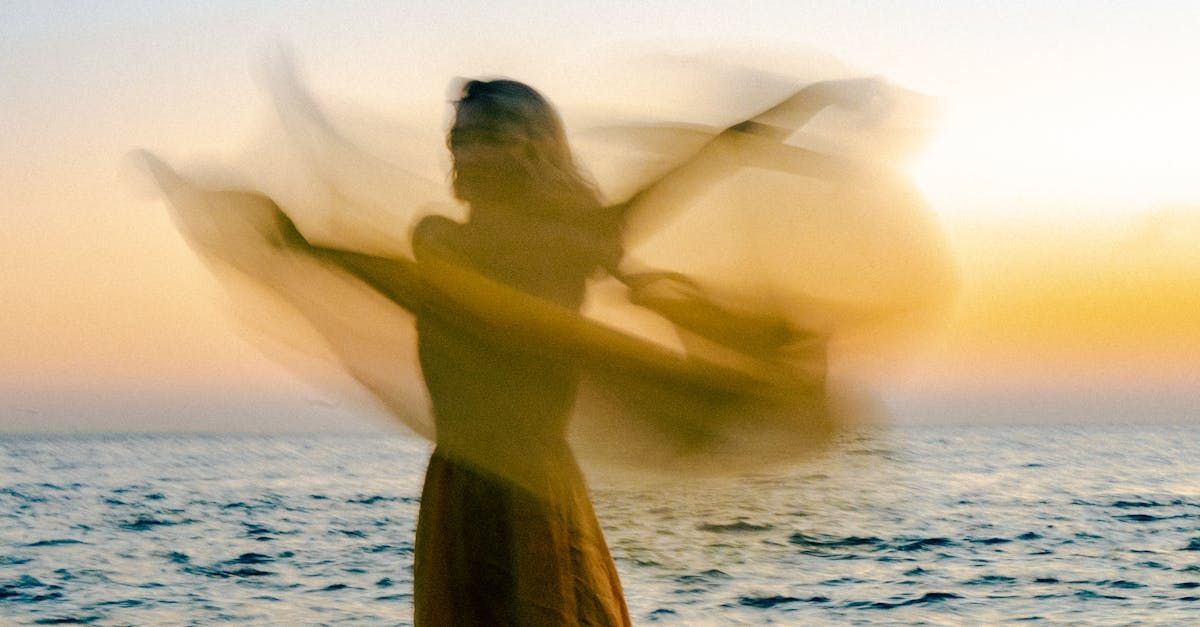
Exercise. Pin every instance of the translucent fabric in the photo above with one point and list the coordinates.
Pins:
(771, 244)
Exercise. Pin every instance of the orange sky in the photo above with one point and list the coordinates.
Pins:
(1064, 174)
(1054, 305)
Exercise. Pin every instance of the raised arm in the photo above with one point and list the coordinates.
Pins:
(756, 141)
(785, 118)
(397, 279)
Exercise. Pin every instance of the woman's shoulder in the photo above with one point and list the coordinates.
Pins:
(435, 233)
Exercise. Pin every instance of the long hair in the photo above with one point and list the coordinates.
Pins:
(514, 115)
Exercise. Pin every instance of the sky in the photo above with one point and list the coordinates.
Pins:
(1063, 172)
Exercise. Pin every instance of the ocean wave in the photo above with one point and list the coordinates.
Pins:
(772, 601)
(144, 522)
(54, 542)
(740, 526)
(285, 530)
(927, 598)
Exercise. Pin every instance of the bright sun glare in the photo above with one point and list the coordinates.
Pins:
(1061, 163)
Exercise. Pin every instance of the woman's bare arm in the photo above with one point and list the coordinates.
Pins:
(756, 141)
(682, 301)
(397, 279)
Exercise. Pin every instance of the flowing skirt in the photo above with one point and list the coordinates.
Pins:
(489, 552)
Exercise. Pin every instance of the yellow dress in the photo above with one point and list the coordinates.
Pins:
(506, 533)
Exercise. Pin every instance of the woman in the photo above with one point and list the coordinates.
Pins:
(506, 534)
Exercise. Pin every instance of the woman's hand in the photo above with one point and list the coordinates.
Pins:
(684, 302)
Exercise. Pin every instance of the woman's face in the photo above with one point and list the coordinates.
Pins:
(485, 155)
(478, 135)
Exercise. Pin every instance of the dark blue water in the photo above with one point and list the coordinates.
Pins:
(942, 525)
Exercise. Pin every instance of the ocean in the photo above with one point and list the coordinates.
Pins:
(901, 525)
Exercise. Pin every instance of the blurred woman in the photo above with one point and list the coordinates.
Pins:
(506, 533)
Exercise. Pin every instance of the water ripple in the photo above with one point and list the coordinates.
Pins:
(922, 525)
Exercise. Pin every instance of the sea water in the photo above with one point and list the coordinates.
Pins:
(933, 525)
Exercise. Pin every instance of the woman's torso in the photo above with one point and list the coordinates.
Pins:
(492, 397)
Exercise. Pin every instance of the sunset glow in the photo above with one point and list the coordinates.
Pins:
(1062, 167)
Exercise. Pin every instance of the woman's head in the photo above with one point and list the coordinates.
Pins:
(509, 145)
